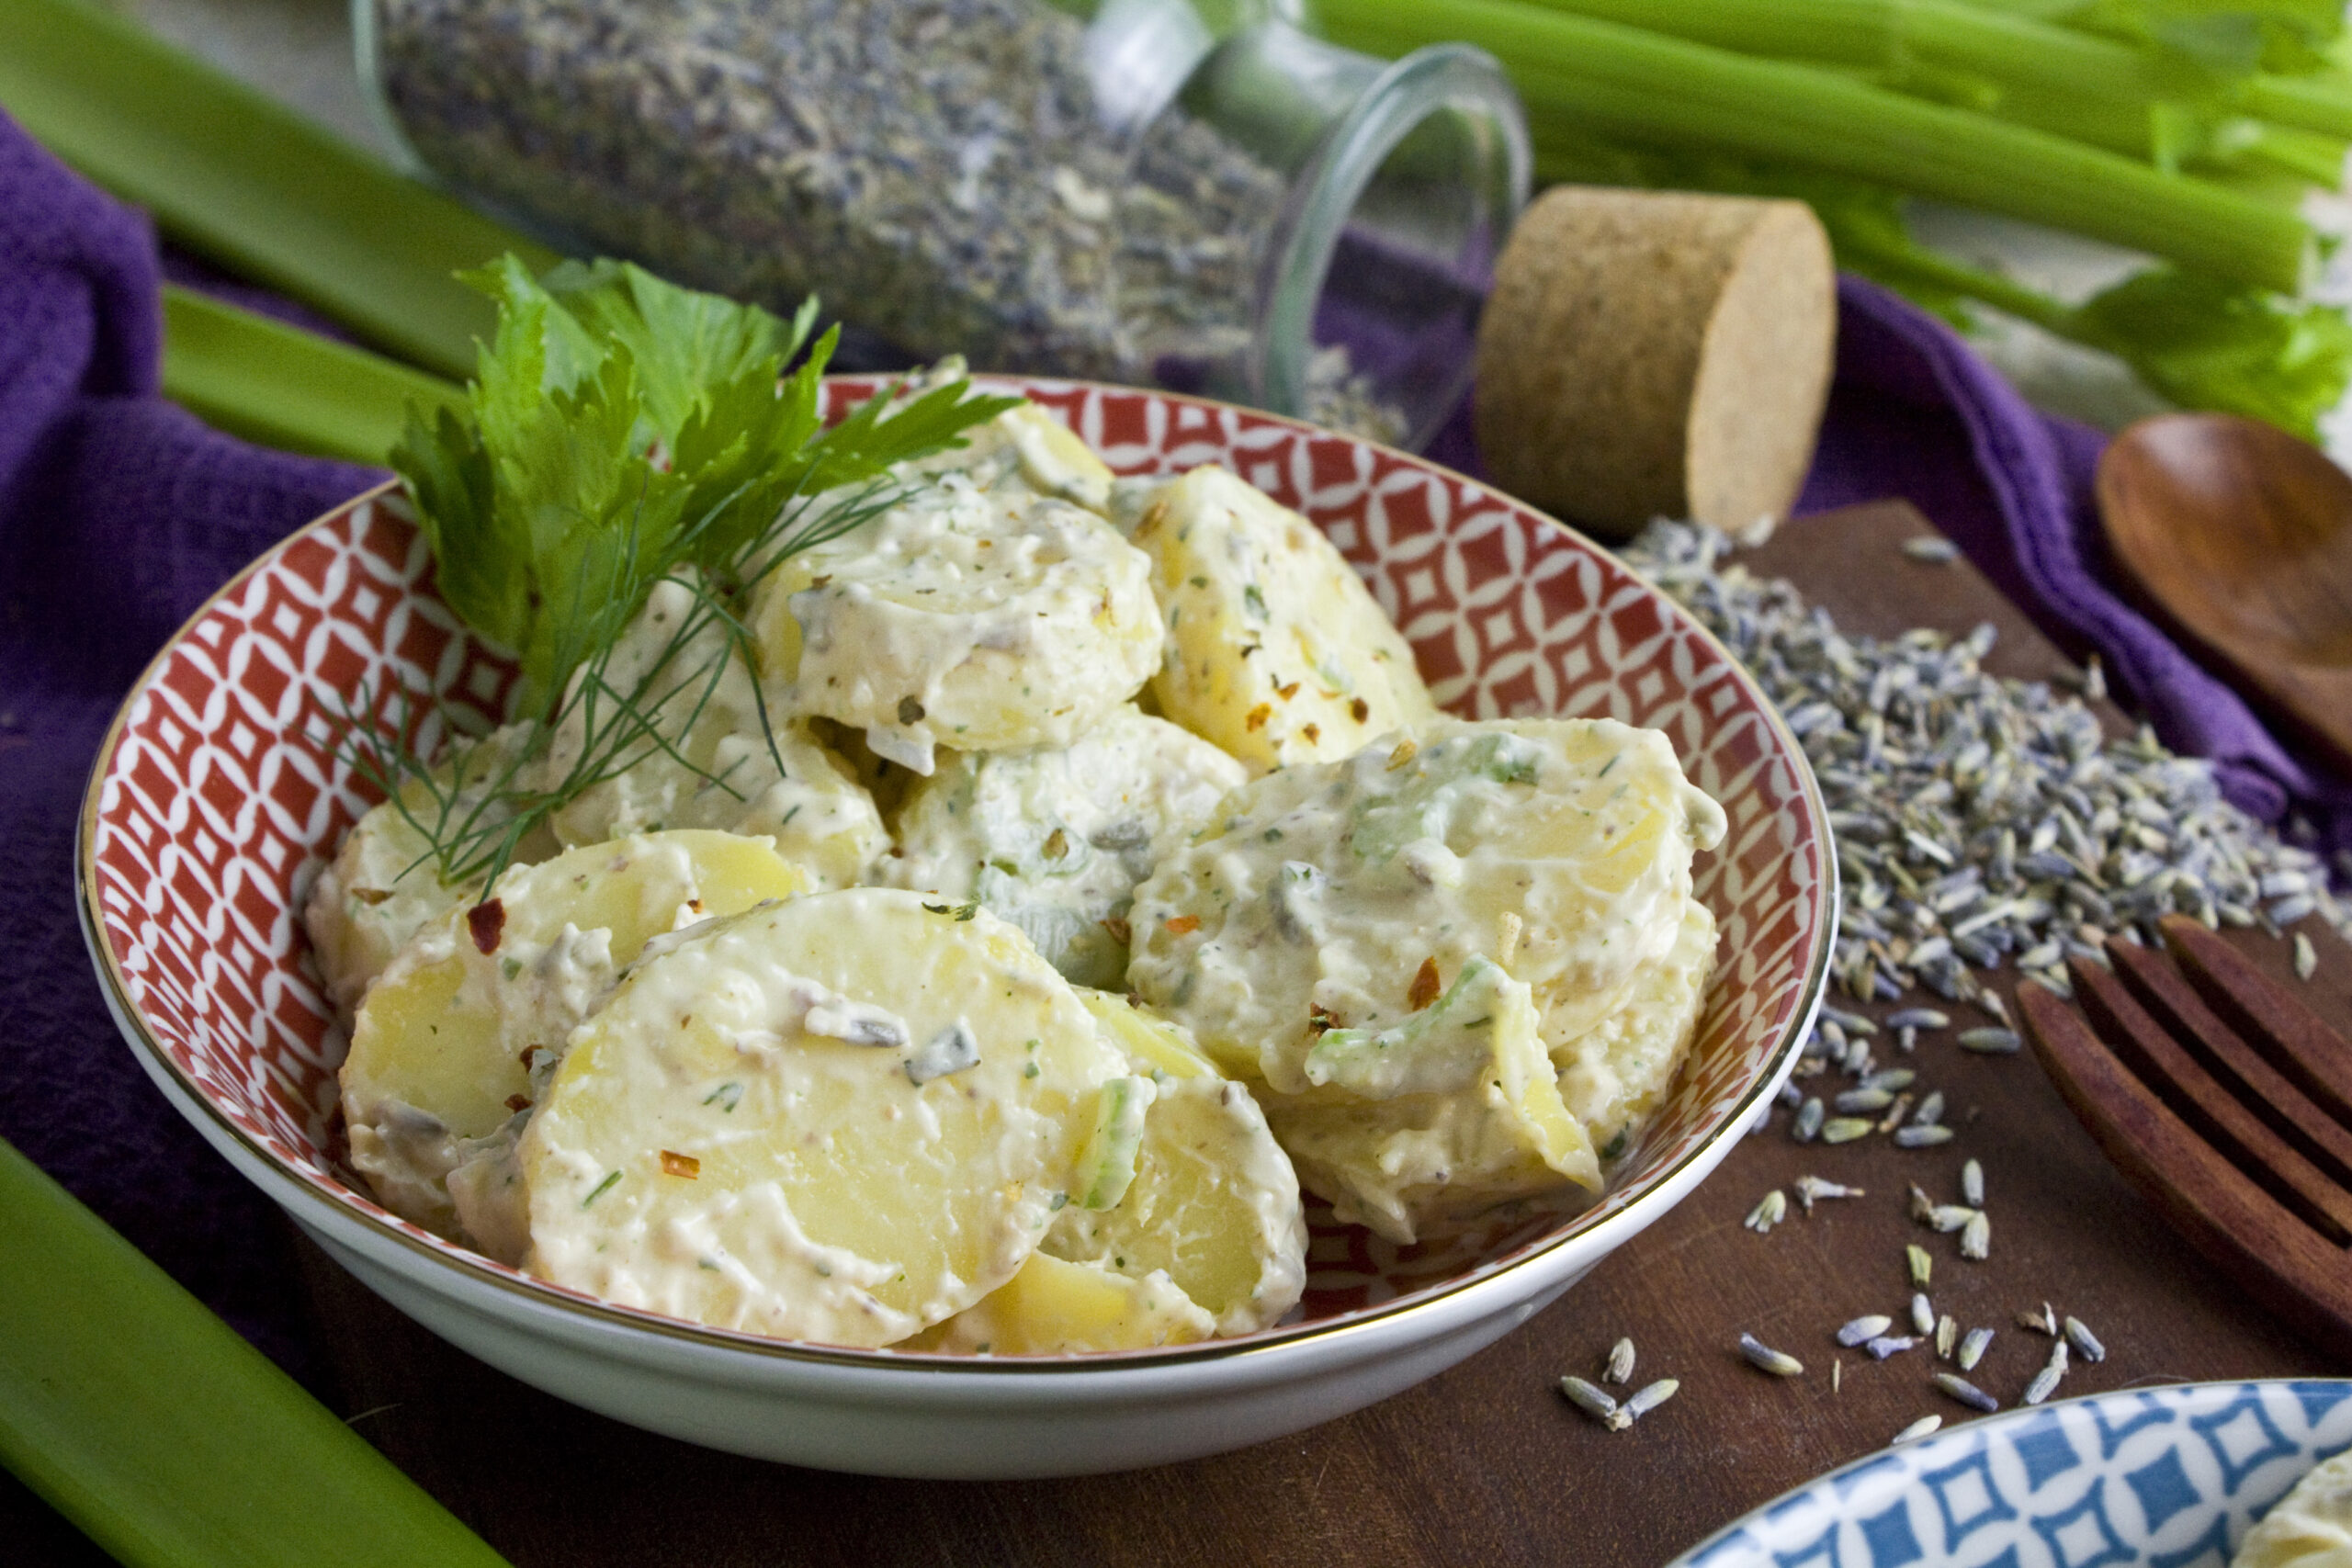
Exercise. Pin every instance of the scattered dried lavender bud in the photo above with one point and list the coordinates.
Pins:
(1919, 1429)
(1594, 1402)
(1977, 1237)
(1770, 1210)
(1620, 1362)
(1887, 1344)
(1967, 1393)
(1920, 1135)
(1972, 1184)
(1923, 1313)
(2085, 1340)
(1650, 1397)
(1763, 1358)
(1866, 1328)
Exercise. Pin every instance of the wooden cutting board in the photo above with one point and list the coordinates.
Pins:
(1484, 1464)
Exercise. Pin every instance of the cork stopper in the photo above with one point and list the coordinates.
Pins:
(1648, 353)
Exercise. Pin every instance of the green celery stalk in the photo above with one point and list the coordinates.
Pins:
(273, 384)
(2321, 102)
(170, 1441)
(251, 184)
(1620, 82)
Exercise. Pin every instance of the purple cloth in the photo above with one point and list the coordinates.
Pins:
(1913, 413)
(119, 514)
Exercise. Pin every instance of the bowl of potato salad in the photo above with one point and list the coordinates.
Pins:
(1157, 927)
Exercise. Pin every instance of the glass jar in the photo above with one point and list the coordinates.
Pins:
(1195, 193)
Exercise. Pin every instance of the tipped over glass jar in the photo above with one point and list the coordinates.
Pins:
(1195, 193)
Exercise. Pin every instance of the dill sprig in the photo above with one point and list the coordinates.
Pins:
(621, 433)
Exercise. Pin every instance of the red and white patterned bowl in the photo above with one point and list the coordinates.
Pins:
(219, 795)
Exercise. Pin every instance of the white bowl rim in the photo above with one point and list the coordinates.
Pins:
(1667, 1186)
(1989, 1428)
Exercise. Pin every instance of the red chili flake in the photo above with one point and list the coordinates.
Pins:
(487, 921)
(1121, 932)
(1425, 985)
(518, 1103)
(1257, 716)
(1287, 692)
(1178, 925)
(1312, 732)
(1320, 1017)
(1361, 709)
(674, 1163)
(371, 896)
(529, 1052)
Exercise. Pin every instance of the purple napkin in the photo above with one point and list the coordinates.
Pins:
(119, 514)
(1915, 413)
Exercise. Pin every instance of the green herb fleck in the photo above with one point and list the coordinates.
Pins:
(602, 1188)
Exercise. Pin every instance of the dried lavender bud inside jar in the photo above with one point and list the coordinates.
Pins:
(997, 178)
(1120, 195)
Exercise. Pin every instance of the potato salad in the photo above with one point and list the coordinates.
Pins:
(1014, 902)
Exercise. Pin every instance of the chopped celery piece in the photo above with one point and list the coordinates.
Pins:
(1442, 1048)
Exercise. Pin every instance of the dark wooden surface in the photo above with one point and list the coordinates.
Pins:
(1485, 1463)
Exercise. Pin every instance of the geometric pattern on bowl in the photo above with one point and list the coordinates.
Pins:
(221, 794)
(2166, 1477)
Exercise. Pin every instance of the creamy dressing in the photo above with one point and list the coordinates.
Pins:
(384, 884)
(1326, 889)
(774, 1058)
(1055, 839)
(963, 616)
(727, 758)
(1275, 649)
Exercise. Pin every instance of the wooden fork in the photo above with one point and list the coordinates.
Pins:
(2227, 1102)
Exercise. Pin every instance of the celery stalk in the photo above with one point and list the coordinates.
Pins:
(251, 184)
(1619, 82)
(270, 383)
(170, 1441)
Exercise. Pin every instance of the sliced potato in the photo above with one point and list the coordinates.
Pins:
(1214, 1205)
(384, 884)
(983, 619)
(1056, 839)
(1275, 649)
(1054, 1308)
(705, 751)
(1613, 1076)
(437, 1055)
(1559, 849)
(1467, 1114)
(1026, 447)
(841, 1119)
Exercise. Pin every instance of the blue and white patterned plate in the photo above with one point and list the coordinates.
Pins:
(2163, 1477)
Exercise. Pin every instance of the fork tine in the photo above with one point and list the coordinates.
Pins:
(2242, 1070)
(2297, 1040)
(2279, 1261)
(2183, 1084)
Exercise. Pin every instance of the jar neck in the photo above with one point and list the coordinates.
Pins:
(1404, 180)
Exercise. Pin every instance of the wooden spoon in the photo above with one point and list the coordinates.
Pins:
(2240, 535)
